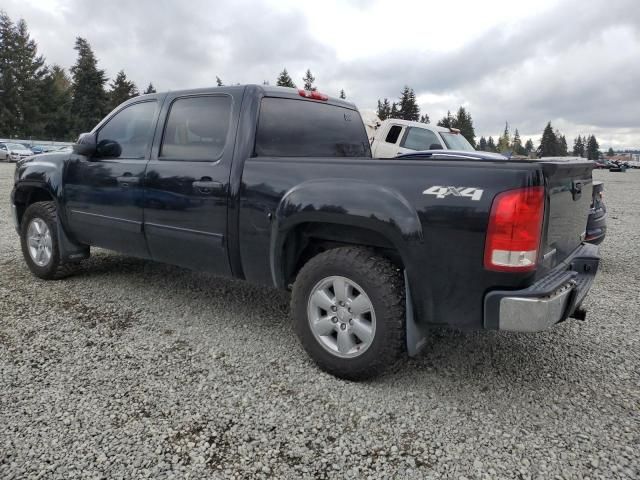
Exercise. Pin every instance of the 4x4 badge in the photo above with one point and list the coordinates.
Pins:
(473, 193)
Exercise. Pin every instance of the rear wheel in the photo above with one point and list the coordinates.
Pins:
(39, 240)
(348, 308)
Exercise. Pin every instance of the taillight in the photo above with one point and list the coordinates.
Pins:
(513, 235)
(312, 94)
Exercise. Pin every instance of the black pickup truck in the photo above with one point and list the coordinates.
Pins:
(277, 186)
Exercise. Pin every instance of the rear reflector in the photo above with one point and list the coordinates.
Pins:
(513, 235)
(312, 94)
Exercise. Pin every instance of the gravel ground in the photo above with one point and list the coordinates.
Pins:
(132, 369)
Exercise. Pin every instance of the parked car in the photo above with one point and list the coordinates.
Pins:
(395, 137)
(39, 149)
(47, 148)
(278, 186)
(617, 166)
(602, 164)
(12, 152)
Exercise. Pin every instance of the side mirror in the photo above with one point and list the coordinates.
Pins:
(435, 146)
(86, 144)
(108, 149)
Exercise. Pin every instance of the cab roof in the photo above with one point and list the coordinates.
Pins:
(261, 90)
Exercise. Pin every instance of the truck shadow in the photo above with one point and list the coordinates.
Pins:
(470, 360)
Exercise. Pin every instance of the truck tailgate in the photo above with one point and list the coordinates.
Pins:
(569, 189)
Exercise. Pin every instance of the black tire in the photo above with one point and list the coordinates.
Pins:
(383, 284)
(55, 269)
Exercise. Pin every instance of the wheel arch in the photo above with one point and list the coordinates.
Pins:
(321, 214)
(26, 194)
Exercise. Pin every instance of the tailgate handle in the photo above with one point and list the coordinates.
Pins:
(576, 189)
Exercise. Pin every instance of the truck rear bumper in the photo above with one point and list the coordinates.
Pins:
(550, 300)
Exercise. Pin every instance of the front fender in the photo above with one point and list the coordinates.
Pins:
(42, 171)
(347, 202)
(45, 172)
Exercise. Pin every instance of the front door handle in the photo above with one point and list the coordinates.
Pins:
(207, 187)
(127, 180)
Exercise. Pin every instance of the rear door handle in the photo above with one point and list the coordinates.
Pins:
(207, 187)
(127, 180)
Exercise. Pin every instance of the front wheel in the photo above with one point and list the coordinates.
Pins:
(348, 310)
(39, 240)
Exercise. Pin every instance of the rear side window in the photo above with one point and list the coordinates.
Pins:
(298, 128)
(421, 139)
(196, 128)
(394, 133)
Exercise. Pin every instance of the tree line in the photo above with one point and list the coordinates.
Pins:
(552, 144)
(46, 102)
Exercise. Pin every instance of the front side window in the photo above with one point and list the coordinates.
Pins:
(299, 128)
(196, 128)
(394, 134)
(421, 139)
(128, 133)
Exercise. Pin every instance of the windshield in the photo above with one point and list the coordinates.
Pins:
(15, 146)
(455, 141)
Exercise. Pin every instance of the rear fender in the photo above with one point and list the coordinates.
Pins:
(356, 203)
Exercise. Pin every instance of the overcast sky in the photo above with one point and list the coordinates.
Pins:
(576, 63)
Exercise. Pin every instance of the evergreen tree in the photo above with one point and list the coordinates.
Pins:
(10, 92)
(548, 143)
(89, 97)
(394, 113)
(121, 90)
(482, 144)
(504, 142)
(593, 148)
(29, 74)
(150, 89)
(22, 74)
(384, 109)
(463, 122)
(491, 146)
(284, 80)
(407, 106)
(578, 146)
(56, 104)
(446, 122)
(518, 148)
(563, 149)
(528, 147)
(308, 81)
(424, 118)
(610, 152)
(342, 94)
(219, 82)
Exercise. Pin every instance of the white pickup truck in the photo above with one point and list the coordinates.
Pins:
(392, 137)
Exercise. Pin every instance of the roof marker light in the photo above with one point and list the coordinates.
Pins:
(312, 94)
